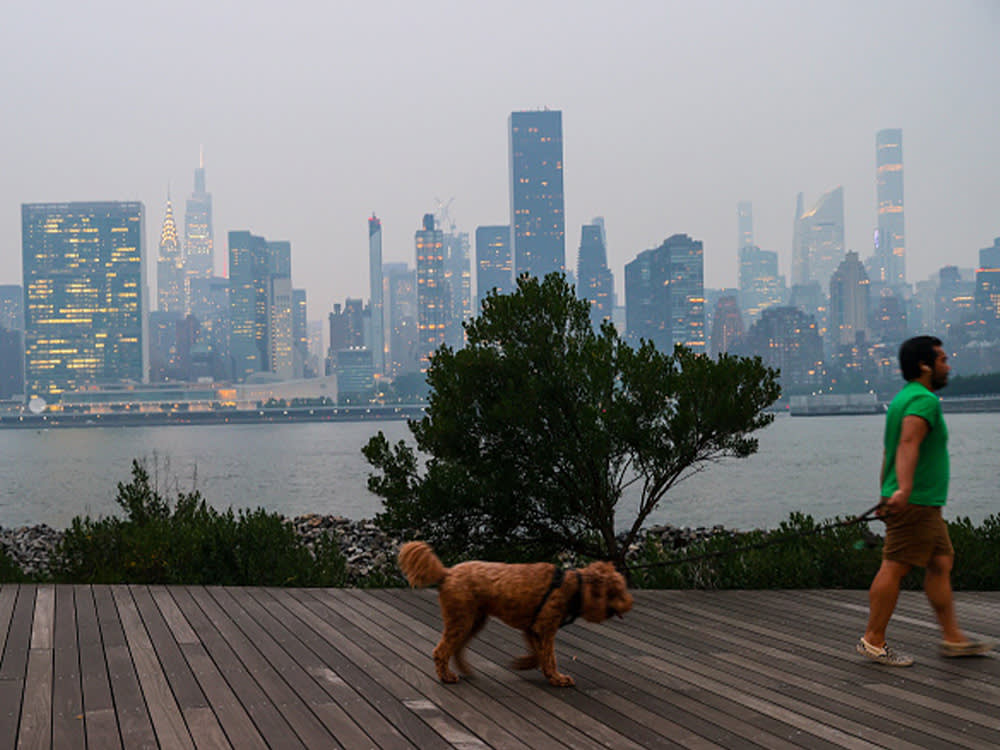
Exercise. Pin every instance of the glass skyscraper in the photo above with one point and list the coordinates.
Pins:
(819, 240)
(594, 280)
(494, 263)
(377, 293)
(198, 233)
(890, 251)
(538, 218)
(432, 293)
(84, 289)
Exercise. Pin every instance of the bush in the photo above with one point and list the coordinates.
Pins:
(835, 558)
(10, 572)
(191, 543)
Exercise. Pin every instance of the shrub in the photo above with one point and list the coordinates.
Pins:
(189, 542)
(10, 572)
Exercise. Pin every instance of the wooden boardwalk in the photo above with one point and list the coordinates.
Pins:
(179, 667)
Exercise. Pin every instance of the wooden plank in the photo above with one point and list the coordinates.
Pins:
(14, 663)
(100, 722)
(540, 705)
(349, 729)
(134, 721)
(227, 648)
(35, 732)
(256, 652)
(727, 724)
(246, 717)
(43, 617)
(164, 713)
(172, 615)
(67, 692)
(352, 687)
(385, 690)
(8, 595)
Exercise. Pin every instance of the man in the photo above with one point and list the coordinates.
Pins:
(914, 479)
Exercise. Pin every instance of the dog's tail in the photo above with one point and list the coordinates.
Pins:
(420, 565)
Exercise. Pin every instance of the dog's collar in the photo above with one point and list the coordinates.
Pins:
(575, 604)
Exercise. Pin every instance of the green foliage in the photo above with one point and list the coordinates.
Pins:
(535, 429)
(10, 571)
(189, 542)
(831, 559)
(974, 385)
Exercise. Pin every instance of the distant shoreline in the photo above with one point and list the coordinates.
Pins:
(270, 415)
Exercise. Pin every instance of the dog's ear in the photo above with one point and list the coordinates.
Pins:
(595, 580)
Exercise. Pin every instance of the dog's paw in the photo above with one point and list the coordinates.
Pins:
(448, 677)
(561, 680)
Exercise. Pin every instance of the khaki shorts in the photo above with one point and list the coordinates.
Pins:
(915, 535)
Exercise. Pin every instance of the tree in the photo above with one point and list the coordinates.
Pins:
(537, 427)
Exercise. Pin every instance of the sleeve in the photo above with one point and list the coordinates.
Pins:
(925, 406)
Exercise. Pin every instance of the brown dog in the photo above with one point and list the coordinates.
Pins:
(537, 599)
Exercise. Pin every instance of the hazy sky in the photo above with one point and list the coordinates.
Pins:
(314, 114)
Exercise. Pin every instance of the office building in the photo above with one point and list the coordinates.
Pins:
(727, 325)
(744, 224)
(849, 300)
(199, 242)
(787, 338)
(665, 295)
(170, 295)
(889, 261)
(760, 284)
(433, 304)
(401, 301)
(594, 280)
(85, 298)
(494, 262)
(377, 292)
(988, 289)
(819, 239)
(11, 307)
(458, 280)
(11, 363)
(537, 211)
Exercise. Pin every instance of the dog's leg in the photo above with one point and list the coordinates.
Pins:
(458, 627)
(463, 665)
(530, 659)
(547, 659)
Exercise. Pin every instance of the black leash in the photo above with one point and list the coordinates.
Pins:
(868, 515)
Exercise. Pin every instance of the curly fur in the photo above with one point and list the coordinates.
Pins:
(471, 592)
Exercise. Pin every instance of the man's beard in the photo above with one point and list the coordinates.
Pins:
(938, 383)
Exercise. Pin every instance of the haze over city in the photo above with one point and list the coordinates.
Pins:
(313, 117)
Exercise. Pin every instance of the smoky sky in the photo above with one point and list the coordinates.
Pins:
(313, 115)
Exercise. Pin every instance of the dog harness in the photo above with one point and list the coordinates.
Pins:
(575, 604)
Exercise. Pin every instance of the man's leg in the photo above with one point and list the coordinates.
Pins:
(937, 586)
(882, 598)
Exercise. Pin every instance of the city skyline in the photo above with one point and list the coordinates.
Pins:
(304, 143)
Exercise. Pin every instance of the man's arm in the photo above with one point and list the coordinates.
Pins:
(913, 432)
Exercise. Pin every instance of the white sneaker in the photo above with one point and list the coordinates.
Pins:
(884, 655)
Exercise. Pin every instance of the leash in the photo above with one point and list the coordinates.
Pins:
(868, 515)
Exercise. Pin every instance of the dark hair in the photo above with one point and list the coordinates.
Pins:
(915, 352)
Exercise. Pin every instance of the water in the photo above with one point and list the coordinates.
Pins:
(823, 466)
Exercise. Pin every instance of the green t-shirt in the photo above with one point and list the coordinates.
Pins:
(930, 479)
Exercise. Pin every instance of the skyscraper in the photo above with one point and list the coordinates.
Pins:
(594, 281)
(819, 239)
(458, 278)
(248, 289)
(432, 292)
(890, 251)
(198, 233)
(759, 282)
(377, 293)
(11, 307)
(744, 224)
(85, 295)
(170, 266)
(538, 219)
(665, 295)
(494, 262)
(401, 301)
(988, 288)
(849, 293)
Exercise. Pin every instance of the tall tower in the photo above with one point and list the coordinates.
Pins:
(170, 266)
(494, 262)
(744, 224)
(537, 212)
(376, 291)
(849, 287)
(594, 281)
(432, 292)
(249, 265)
(198, 234)
(819, 240)
(665, 295)
(85, 295)
(890, 255)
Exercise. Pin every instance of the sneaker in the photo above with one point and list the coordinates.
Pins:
(884, 655)
(966, 648)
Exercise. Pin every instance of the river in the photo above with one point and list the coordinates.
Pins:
(823, 466)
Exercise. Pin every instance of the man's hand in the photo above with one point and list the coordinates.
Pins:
(895, 503)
